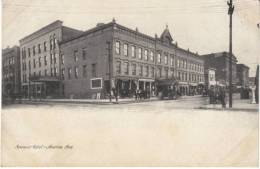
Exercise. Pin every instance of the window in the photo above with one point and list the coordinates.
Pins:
(166, 72)
(140, 53)
(75, 55)
(145, 54)
(172, 61)
(126, 68)
(84, 73)
(29, 64)
(55, 71)
(178, 63)
(126, 49)
(44, 46)
(76, 72)
(51, 58)
(45, 72)
(55, 58)
(172, 72)
(62, 59)
(39, 48)
(133, 69)
(152, 71)
(133, 51)
(152, 56)
(62, 73)
(54, 42)
(118, 47)
(179, 75)
(94, 73)
(140, 70)
(118, 67)
(69, 73)
(51, 43)
(34, 74)
(51, 71)
(33, 50)
(29, 52)
(45, 60)
(159, 72)
(84, 53)
(165, 59)
(146, 71)
(40, 73)
(40, 63)
(34, 63)
(159, 58)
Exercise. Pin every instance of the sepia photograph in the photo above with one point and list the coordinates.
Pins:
(130, 83)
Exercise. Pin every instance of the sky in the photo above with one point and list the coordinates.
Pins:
(200, 25)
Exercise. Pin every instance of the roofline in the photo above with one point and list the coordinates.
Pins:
(97, 28)
(37, 31)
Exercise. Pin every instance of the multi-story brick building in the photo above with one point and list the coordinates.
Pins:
(10, 71)
(40, 59)
(243, 75)
(220, 62)
(126, 59)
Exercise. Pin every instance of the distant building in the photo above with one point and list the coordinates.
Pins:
(243, 75)
(10, 71)
(220, 62)
(40, 61)
(136, 61)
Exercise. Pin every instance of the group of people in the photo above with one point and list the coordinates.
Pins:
(142, 94)
(217, 95)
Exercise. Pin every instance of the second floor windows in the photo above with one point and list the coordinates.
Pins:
(69, 73)
(152, 56)
(45, 60)
(159, 58)
(133, 51)
(94, 70)
(84, 53)
(76, 72)
(126, 68)
(62, 58)
(76, 55)
(133, 69)
(118, 67)
(140, 53)
(125, 49)
(145, 55)
(165, 59)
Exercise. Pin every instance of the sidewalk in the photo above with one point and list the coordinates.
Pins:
(238, 105)
(88, 101)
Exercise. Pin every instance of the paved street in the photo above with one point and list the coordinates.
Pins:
(156, 133)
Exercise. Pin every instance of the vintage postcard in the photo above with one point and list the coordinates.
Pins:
(130, 83)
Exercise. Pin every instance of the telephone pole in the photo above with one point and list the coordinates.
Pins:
(230, 13)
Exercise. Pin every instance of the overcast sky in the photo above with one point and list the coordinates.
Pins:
(200, 25)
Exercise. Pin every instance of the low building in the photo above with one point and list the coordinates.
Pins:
(220, 62)
(111, 55)
(243, 75)
(10, 71)
(40, 60)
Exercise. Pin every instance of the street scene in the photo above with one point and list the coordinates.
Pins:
(164, 83)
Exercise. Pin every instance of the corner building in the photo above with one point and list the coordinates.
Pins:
(40, 60)
(126, 59)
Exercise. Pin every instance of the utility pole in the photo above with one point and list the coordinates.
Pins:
(230, 13)
(109, 68)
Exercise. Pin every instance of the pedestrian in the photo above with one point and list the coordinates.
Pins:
(223, 97)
